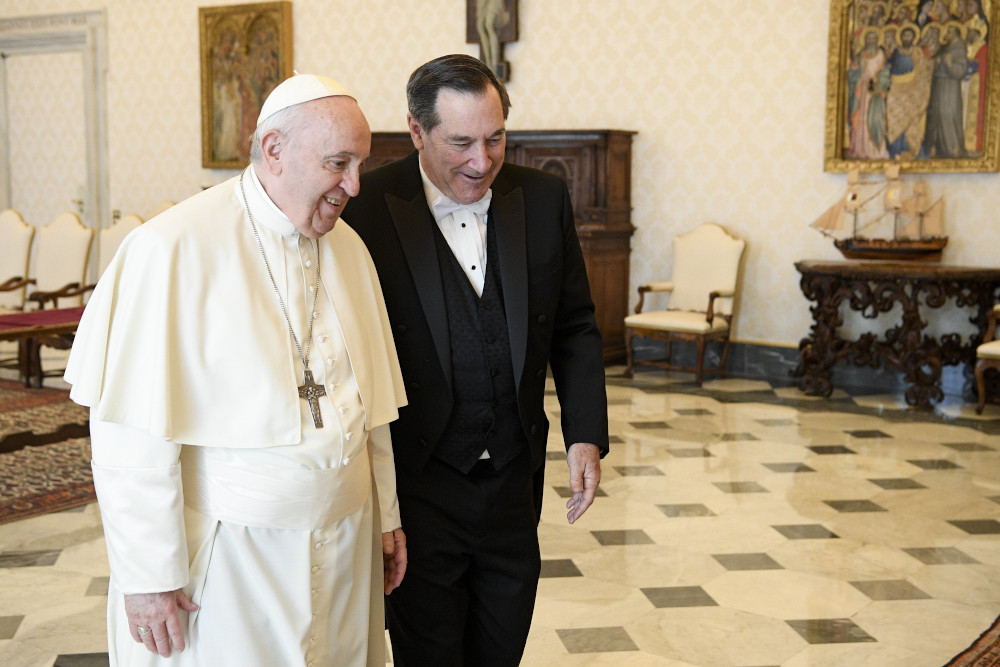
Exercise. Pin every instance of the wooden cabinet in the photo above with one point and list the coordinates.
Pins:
(597, 168)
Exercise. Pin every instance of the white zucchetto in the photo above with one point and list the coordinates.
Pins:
(298, 89)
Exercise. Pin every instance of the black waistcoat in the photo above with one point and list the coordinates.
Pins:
(485, 414)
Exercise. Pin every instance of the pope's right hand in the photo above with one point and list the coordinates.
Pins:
(157, 616)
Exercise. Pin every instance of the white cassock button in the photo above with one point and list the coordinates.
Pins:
(347, 436)
(309, 263)
(342, 410)
(312, 289)
(347, 460)
(315, 569)
(329, 363)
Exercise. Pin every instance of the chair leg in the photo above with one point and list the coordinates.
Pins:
(700, 368)
(725, 357)
(35, 348)
(628, 351)
(981, 385)
(24, 361)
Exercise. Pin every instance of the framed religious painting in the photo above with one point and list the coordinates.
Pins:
(914, 83)
(246, 50)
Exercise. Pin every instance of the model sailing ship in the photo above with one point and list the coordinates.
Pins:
(917, 226)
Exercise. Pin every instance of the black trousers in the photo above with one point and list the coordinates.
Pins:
(472, 543)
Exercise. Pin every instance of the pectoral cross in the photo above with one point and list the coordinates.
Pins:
(311, 392)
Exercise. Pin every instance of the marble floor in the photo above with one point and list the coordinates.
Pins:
(738, 525)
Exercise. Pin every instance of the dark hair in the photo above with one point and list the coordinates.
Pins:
(458, 72)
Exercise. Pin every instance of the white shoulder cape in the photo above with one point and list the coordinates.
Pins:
(183, 337)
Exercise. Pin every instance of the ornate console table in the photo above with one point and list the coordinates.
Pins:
(873, 287)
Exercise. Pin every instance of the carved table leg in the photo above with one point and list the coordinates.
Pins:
(819, 351)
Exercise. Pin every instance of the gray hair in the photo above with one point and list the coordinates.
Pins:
(287, 121)
(457, 72)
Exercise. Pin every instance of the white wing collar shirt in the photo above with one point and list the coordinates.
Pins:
(464, 228)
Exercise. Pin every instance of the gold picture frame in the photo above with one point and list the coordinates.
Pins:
(246, 50)
(895, 91)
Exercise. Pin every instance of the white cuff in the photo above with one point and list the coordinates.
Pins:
(143, 515)
(384, 472)
(138, 481)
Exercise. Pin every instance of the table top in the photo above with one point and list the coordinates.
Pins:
(880, 269)
(37, 322)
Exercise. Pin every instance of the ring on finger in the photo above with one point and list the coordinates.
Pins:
(143, 630)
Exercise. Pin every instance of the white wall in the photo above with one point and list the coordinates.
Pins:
(727, 97)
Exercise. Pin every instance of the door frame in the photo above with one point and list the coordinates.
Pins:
(86, 33)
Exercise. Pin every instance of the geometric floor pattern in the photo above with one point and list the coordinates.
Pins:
(740, 524)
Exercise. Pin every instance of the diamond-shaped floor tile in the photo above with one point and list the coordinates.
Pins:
(939, 555)
(596, 640)
(892, 589)
(679, 596)
(808, 531)
(9, 626)
(748, 561)
(978, 526)
(621, 537)
(830, 631)
(559, 568)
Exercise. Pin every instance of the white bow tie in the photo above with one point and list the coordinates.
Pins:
(443, 206)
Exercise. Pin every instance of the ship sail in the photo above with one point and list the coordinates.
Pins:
(831, 221)
(913, 207)
(933, 220)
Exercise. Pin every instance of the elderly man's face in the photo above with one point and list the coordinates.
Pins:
(320, 163)
(463, 154)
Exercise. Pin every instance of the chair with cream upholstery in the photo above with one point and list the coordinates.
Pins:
(60, 277)
(15, 251)
(61, 266)
(987, 357)
(111, 237)
(704, 285)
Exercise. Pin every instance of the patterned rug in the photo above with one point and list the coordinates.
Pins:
(984, 652)
(44, 452)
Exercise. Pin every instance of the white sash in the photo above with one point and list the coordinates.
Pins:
(274, 496)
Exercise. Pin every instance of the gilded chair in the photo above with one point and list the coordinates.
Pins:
(987, 357)
(111, 237)
(704, 286)
(15, 251)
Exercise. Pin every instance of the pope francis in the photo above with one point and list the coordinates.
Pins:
(241, 375)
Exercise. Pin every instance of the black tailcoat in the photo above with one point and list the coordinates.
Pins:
(550, 314)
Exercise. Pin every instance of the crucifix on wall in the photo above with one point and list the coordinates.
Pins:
(492, 23)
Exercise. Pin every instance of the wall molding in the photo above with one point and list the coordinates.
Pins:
(86, 33)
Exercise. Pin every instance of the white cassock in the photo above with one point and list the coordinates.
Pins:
(209, 471)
